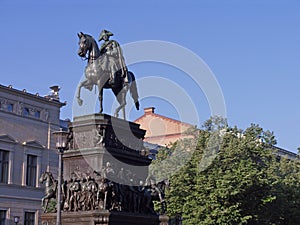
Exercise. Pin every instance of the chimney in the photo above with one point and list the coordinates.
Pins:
(149, 110)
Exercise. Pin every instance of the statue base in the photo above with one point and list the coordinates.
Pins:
(78, 218)
(105, 156)
(103, 217)
(100, 138)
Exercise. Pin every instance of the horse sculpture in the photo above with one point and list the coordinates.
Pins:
(97, 75)
(50, 188)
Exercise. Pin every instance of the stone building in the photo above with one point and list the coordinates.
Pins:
(161, 130)
(26, 149)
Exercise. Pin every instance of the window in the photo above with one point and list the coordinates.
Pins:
(4, 166)
(37, 114)
(2, 217)
(25, 111)
(31, 170)
(10, 107)
(29, 218)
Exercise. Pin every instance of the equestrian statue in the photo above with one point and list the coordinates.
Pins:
(106, 69)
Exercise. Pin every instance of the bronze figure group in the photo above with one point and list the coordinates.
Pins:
(98, 190)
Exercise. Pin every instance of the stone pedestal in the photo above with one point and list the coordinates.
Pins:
(98, 145)
(100, 138)
(103, 217)
(132, 219)
(78, 218)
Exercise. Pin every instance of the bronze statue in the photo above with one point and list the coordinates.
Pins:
(50, 188)
(94, 190)
(108, 171)
(157, 190)
(106, 69)
(103, 189)
(72, 195)
(113, 59)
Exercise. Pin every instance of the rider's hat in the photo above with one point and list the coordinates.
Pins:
(103, 33)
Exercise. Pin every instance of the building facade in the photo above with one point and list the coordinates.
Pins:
(26, 150)
(162, 130)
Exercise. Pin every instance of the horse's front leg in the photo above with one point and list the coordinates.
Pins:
(105, 200)
(46, 204)
(101, 99)
(43, 201)
(79, 100)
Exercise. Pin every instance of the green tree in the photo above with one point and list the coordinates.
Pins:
(244, 183)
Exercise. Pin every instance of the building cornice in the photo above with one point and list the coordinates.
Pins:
(34, 97)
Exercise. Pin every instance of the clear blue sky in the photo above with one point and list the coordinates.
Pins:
(251, 46)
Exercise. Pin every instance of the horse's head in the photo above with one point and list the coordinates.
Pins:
(88, 45)
(43, 177)
(84, 44)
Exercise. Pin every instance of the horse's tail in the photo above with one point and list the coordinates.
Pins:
(134, 91)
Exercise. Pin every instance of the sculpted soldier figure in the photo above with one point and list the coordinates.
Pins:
(113, 59)
(151, 182)
(73, 188)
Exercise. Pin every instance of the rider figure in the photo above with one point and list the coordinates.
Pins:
(109, 173)
(151, 181)
(113, 59)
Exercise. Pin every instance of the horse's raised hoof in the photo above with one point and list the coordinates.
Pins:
(80, 101)
(116, 115)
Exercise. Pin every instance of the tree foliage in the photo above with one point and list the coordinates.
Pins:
(243, 183)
